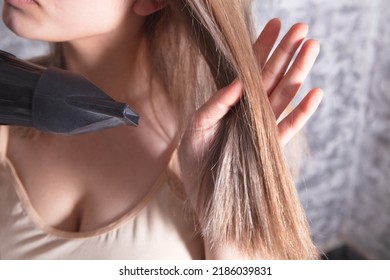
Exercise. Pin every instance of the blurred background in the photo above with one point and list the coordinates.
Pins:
(345, 183)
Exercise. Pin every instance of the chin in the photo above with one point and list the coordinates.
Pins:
(20, 24)
(19, 28)
(22, 32)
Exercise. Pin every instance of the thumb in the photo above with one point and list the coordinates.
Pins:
(219, 105)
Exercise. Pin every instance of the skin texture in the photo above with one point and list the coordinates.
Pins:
(112, 54)
(46, 21)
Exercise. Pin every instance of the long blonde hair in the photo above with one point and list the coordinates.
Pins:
(246, 194)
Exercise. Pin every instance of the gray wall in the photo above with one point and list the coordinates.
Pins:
(345, 183)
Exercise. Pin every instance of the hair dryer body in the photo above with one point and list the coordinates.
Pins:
(56, 100)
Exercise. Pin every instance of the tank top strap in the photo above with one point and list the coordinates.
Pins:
(4, 133)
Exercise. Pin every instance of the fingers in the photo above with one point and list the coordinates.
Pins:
(266, 40)
(290, 84)
(219, 105)
(290, 126)
(278, 63)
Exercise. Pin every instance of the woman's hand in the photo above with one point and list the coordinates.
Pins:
(280, 85)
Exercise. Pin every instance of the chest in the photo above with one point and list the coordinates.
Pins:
(84, 183)
(157, 230)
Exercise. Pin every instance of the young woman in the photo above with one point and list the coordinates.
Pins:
(203, 176)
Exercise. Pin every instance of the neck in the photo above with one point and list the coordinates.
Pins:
(120, 64)
(111, 61)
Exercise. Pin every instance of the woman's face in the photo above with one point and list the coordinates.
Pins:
(65, 20)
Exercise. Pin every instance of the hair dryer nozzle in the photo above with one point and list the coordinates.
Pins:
(106, 107)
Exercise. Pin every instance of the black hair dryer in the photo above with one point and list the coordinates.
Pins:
(55, 100)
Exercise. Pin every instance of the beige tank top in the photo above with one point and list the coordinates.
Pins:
(157, 228)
